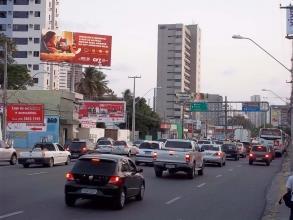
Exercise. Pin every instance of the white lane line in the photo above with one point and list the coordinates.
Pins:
(32, 174)
(10, 214)
(173, 200)
(201, 185)
(239, 165)
(220, 175)
(230, 170)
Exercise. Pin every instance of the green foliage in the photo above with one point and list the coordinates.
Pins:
(11, 47)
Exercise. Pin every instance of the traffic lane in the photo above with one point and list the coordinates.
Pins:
(159, 193)
(238, 194)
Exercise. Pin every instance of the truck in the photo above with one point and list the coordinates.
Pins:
(242, 135)
(178, 155)
(46, 154)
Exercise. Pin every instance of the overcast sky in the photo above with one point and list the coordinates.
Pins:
(233, 68)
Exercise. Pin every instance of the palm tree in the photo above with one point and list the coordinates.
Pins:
(93, 85)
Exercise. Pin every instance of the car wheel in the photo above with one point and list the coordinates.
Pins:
(26, 165)
(250, 162)
(159, 172)
(268, 163)
(200, 172)
(236, 158)
(191, 173)
(171, 172)
(13, 159)
(70, 200)
(67, 161)
(220, 164)
(137, 163)
(120, 201)
(224, 163)
(51, 162)
(140, 195)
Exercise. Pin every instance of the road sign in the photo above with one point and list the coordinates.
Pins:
(184, 97)
(198, 107)
(251, 106)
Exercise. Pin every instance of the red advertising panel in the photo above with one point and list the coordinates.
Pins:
(103, 111)
(25, 113)
(76, 48)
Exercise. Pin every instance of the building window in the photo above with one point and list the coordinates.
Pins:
(37, 1)
(36, 80)
(36, 67)
(3, 2)
(37, 27)
(20, 41)
(20, 54)
(20, 14)
(21, 2)
(2, 27)
(36, 53)
(3, 14)
(20, 27)
(37, 14)
(36, 40)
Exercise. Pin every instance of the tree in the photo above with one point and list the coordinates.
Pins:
(94, 84)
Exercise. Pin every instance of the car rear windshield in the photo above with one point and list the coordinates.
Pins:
(259, 148)
(178, 144)
(77, 145)
(203, 142)
(228, 147)
(147, 145)
(119, 143)
(210, 147)
(95, 167)
(218, 142)
(103, 142)
(48, 147)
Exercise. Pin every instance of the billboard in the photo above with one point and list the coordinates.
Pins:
(76, 48)
(25, 113)
(27, 127)
(103, 111)
(275, 117)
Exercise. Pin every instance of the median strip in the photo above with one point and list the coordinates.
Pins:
(32, 174)
(173, 200)
(10, 214)
(201, 185)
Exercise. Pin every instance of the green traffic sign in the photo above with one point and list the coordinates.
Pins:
(198, 107)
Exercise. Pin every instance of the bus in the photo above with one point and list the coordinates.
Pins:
(273, 137)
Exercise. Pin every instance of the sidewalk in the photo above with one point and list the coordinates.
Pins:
(273, 210)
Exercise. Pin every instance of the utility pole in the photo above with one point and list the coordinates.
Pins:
(182, 120)
(72, 82)
(4, 118)
(133, 106)
(226, 117)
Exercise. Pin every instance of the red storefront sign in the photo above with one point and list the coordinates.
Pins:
(25, 113)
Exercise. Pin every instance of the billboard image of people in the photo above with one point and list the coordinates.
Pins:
(76, 48)
(103, 111)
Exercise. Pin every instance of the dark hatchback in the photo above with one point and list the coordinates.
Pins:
(231, 151)
(97, 176)
(79, 148)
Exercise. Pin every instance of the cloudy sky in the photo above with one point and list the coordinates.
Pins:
(233, 68)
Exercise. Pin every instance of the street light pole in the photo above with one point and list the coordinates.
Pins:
(133, 106)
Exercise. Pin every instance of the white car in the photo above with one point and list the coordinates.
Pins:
(104, 146)
(202, 142)
(47, 154)
(242, 149)
(146, 151)
(213, 154)
(123, 148)
(7, 153)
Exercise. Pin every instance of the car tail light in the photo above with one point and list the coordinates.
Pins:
(69, 176)
(83, 149)
(251, 155)
(187, 158)
(267, 156)
(217, 154)
(115, 180)
(276, 143)
(155, 155)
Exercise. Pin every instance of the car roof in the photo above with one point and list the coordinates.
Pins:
(156, 142)
(103, 156)
(179, 140)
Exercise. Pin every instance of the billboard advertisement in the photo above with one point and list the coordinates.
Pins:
(76, 48)
(25, 113)
(103, 111)
(275, 117)
(26, 127)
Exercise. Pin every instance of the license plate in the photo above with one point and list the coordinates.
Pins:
(170, 166)
(30, 161)
(147, 152)
(89, 191)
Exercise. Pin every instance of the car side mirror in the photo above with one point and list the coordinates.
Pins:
(139, 170)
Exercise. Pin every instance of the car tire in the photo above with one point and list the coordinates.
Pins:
(191, 172)
(250, 162)
(140, 195)
(268, 163)
(220, 164)
(67, 161)
(171, 172)
(224, 163)
(236, 158)
(200, 172)
(13, 159)
(51, 162)
(120, 201)
(70, 200)
(137, 163)
(159, 172)
(26, 165)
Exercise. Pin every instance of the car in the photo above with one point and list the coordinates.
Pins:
(273, 152)
(247, 146)
(105, 146)
(260, 153)
(98, 176)
(123, 148)
(201, 142)
(138, 142)
(212, 153)
(146, 151)
(242, 149)
(162, 140)
(231, 150)
(80, 147)
(7, 153)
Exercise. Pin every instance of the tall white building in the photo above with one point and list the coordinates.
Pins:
(23, 21)
(178, 66)
(257, 118)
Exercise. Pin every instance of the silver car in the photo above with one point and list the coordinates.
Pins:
(213, 154)
(146, 151)
(104, 146)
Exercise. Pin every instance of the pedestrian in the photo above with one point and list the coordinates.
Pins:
(289, 186)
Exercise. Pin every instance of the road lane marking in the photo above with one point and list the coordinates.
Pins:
(220, 175)
(10, 214)
(201, 185)
(230, 170)
(32, 174)
(173, 200)
(239, 165)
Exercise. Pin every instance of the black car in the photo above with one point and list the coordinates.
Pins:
(79, 148)
(97, 176)
(231, 151)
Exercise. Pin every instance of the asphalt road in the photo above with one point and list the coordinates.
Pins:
(235, 191)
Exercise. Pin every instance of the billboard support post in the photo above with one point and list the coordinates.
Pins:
(72, 89)
(4, 116)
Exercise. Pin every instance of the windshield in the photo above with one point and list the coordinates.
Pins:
(95, 167)
(210, 147)
(77, 145)
(228, 146)
(203, 142)
(270, 132)
(103, 142)
(119, 143)
(178, 144)
(48, 147)
(259, 148)
(147, 145)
